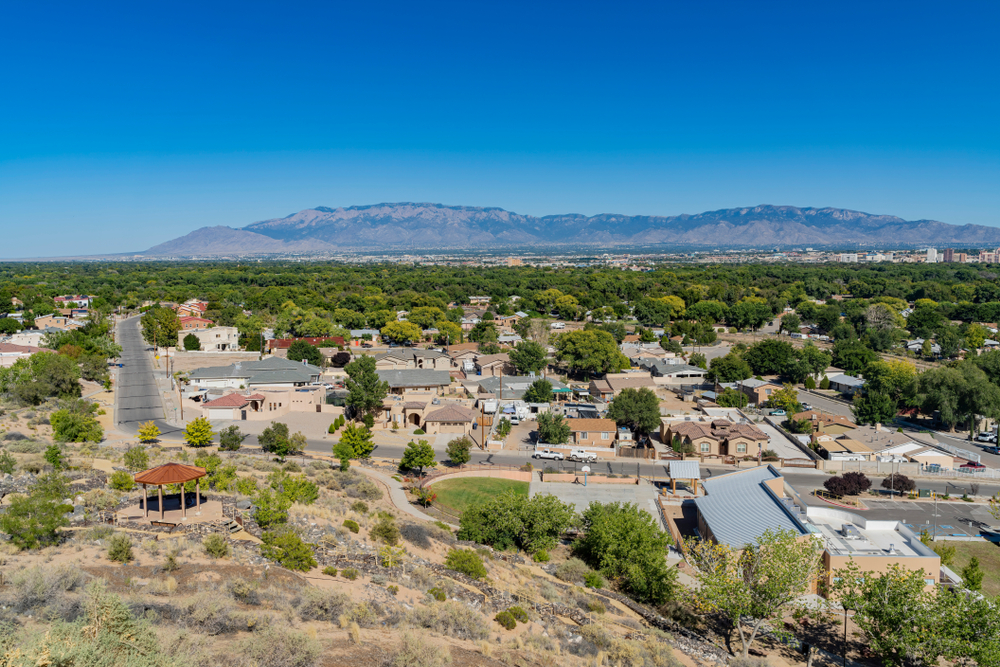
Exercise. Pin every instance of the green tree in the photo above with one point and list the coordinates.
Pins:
(698, 359)
(707, 312)
(958, 393)
(750, 312)
(76, 425)
(230, 438)
(540, 391)
(590, 351)
(191, 343)
(33, 521)
(7, 462)
(148, 432)
(365, 390)
(636, 409)
(852, 356)
(626, 545)
(344, 453)
(160, 327)
(873, 407)
(730, 368)
(449, 333)
(275, 440)
(893, 378)
(484, 333)
(270, 508)
(284, 546)
(359, 438)
(512, 520)
(198, 433)
(730, 398)
(528, 357)
(402, 332)
(552, 429)
(770, 357)
(790, 323)
(41, 376)
(458, 450)
(417, 456)
(972, 575)
(759, 584)
(787, 399)
(301, 349)
(425, 316)
(54, 457)
(136, 459)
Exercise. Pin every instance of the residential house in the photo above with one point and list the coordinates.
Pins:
(57, 322)
(824, 422)
(454, 418)
(270, 372)
(10, 353)
(917, 345)
(494, 364)
(675, 373)
(480, 300)
(739, 507)
(79, 300)
(508, 340)
(324, 341)
(415, 380)
(613, 384)
(841, 449)
(266, 403)
(191, 322)
(592, 432)
(846, 384)
(403, 358)
(758, 392)
(28, 338)
(718, 437)
(512, 387)
(216, 339)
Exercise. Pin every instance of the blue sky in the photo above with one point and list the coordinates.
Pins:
(125, 125)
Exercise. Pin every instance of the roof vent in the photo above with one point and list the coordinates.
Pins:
(892, 549)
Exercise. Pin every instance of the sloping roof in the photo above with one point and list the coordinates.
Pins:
(487, 359)
(228, 401)
(739, 507)
(25, 349)
(414, 377)
(847, 380)
(674, 369)
(170, 473)
(414, 405)
(248, 369)
(684, 469)
(641, 381)
(256, 397)
(599, 425)
(452, 413)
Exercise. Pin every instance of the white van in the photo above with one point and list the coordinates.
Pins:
(558, 325)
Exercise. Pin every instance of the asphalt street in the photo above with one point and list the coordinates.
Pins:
(137, 398)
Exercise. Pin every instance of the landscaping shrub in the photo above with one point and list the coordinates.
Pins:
(215, 546)
(419, 431)
(352, 526)
(438, 594)
(288, 549)
(506, 620)
(121, 481)
(385, 530)
(593, 580)
(349, 573)
(136, 459)
(330, 571)
(120, 548)
(465, 561)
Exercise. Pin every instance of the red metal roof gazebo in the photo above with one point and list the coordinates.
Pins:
(170, 473)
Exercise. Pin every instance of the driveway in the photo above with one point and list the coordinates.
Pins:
(580, 496)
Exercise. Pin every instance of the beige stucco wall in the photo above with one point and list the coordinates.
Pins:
(516, 475)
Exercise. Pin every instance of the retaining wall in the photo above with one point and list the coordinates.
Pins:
(873, 467)
(590, 479)
(517, 475)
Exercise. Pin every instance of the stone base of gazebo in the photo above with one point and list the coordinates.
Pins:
(211, 510)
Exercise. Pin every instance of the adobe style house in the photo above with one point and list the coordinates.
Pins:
(453, 418)
(404, 358)
(614, 383)
(10, 353)
(823, 422)
(719, 437)
(494, 364)
(267, 403)
(57, 322)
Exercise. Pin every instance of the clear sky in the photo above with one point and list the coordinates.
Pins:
(125, 125)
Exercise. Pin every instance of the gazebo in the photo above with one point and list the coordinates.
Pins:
(170, 473)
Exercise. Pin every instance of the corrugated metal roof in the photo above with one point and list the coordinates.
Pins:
(739, 507)
(685, 470)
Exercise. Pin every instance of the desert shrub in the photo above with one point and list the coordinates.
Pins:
(465, 561)
(349, 573)
(519, 614)
(443, 526)
(246, 486)
(452, 619)
(279, 647)
(366, 614)
(352, 526)
(385, 529)
(415, 534)
(359, 507)
(100, 499)
(14, 436)
(413, 651)
(572, 570)
(170, 563)
(136, 459)
(42, 588)
(596, 606)
(243, 591)
(330, 571)
(365, 490)
(215, 546)
(213, 615)
(25, 446)
(121, 481)
(438, 594)
(393, 589)
(506, 620)
(541, 556)
(291, 466)
(321, 605)
(593, 580)
(748, 661)
(300, 490)
(99, 532)
(288, 549)
(120, 548)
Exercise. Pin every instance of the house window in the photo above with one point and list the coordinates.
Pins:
(582, 436)
(705, 447)
(741, 448)
(605, 436)
(767, 391)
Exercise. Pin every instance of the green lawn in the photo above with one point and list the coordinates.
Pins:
(462, 492)
(989, 560)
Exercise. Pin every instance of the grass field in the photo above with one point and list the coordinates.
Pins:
(459, 493)
(989, 560)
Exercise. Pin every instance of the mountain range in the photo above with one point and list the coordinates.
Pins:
(406, 226)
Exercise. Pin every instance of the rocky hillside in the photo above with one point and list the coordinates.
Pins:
(424, 226)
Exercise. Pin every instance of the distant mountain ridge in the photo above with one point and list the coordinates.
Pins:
(427, 226)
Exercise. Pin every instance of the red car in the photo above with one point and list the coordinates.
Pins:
(972, 466)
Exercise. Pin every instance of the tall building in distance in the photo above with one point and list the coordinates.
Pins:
(989, 256)
(949, 254)
(932, 256)
(513, 261)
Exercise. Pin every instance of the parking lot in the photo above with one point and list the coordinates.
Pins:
(949, 519)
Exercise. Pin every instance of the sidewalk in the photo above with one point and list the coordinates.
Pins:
(397, 496)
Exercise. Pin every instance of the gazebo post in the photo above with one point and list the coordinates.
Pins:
(145, 501)
(184, 511)
(160, 488)
(197, 495)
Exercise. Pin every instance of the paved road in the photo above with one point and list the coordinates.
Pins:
(138, 398)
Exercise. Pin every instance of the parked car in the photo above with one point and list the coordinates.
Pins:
(992, 450)
(806, 406)
(778, 413)
(971, 466)
(548, 454)
(515, 420)
(583, 456)
(987, 436)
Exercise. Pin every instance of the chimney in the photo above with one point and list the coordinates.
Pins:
(878, 426)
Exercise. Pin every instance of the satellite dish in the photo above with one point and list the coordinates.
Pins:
(585, 468)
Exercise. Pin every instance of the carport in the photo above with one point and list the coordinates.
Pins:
(686, 471)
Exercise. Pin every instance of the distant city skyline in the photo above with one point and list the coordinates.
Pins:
(126, 125)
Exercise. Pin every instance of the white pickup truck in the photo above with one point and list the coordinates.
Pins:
(548, 454)
(583, 456)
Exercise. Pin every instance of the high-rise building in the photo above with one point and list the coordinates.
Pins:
(851, 257)
(932, 256)
(949, 254)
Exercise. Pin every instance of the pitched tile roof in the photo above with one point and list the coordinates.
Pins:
(228, 401)
(452, 413)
